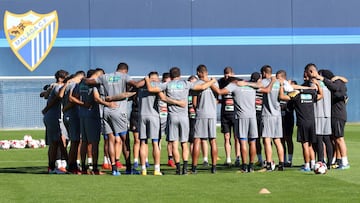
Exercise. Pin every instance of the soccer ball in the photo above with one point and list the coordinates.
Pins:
(4, 144)
(42, 143)
(320, 168)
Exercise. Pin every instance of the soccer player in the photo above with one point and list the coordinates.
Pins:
(52, 117)
(338, 112)
(90, 122)
(114, 84)
(99, 96)
(163, 111)
(205, 125)
(304, 100)
(71, 118)
(322, 121)
(245, 124)
(178, 122)
(192, 113)
(149, 122)
(134, 126)
(287, 114)
(271, 118)
(227, 118)
(256, 78)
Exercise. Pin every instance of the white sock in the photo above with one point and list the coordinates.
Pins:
(136, 160)
(90, 163)
(333, 160)
(143, 167)
(228, 160)
(63, 163)
(78, 163)
(290, 156)
(157, 167)
(307, 165)
(147, 160)
(106, 160)
(58, 163)
(206, 159)
(312, 164)
(344, 161)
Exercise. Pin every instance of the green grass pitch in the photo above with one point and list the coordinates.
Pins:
(23, 178)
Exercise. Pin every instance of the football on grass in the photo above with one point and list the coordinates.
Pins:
(320, 168)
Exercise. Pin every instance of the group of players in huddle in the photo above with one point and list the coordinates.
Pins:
(184, 111)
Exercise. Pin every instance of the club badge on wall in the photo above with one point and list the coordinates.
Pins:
(31, 35)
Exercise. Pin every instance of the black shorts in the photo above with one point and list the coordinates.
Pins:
(134, 122)
(338, 127)
(192, 129)
(259, 124)
(306, 132)
(288, 125)
(227, 122)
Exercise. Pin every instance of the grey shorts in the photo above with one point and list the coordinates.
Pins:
(178, 128)
(72, 125)
(163, 124)
(149, 127)
(117, 120)
(272, 127)
(63, 129)
(90, 129)
(323, 126)
(105, 127)
(205, 128)
(246, 128)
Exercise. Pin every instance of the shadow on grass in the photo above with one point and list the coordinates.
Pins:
(25, 170)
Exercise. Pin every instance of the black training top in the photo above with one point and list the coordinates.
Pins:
(338, 92)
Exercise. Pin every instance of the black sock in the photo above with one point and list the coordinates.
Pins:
(193, 168)
(281, 164)
(83, 166)
(52, 165)
(117, 160)
(177, 166)
(170, 157)
(185, 165)
(113, 167)
(268, 165)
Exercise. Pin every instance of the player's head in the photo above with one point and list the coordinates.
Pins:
(281, 74)
(255, 77)
(122, 67)
(228, 71)
(326, 74)
(90, 73)
(310, 70)
(154, 76)
(79, 75)
(201, 71)
(60, 75)
(266, 71)
(192, 78)
(175, 72)
(101, 70)
(165, 77)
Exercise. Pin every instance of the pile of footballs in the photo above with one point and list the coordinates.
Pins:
(27, 142)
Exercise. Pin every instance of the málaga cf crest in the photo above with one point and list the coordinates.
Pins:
(31, 35)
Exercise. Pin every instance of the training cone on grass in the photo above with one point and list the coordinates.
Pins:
(264, 191)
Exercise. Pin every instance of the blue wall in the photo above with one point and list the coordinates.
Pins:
(157, 34)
